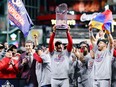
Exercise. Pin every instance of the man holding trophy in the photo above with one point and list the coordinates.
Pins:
(60, 59)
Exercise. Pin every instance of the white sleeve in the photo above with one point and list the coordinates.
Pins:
(79, 63)
(45, 58)
(68, 53)
(110, 50)
(95, 48)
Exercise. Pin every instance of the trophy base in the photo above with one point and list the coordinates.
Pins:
(61, 27)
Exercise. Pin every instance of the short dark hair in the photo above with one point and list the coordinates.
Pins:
(29, 41)
(58, 43)
(83, 42)
(39, 47)
(65, 46)
(103, 40)
(11, 47)
(1, 46)
(78, 46)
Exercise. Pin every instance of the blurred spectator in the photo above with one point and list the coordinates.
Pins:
(4, 49)
(1, 51)
(114, 54)
(6, 46)
(22, 49)
(11, 67)
(27, 64)
(14, 50)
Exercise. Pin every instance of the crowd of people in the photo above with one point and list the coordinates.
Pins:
(62, 65)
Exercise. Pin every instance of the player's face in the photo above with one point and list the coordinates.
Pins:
(59, 48)
(83, 46)
(29, 47)
(101, 45)
(9, 54)
(14, 51)
(84, 49)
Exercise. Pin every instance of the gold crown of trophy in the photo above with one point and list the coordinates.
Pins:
(61, 16)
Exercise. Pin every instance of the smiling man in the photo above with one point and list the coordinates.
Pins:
(60, 60)
(103, 55)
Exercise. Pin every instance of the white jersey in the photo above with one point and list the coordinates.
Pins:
(43, 71)
(102, 64)
(90, 66)
(38, 70)
(86, 68)
(60, 64)
(114, 68)
(72, 63)
(46, 70)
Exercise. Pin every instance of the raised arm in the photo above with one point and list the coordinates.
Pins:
(79, 55)
(35, 40)
(51, 44)
(91, 36)
(110, 39)
(70, 42)
(37, 58)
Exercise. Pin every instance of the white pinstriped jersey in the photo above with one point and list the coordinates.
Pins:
(60, 64)
(102, 64)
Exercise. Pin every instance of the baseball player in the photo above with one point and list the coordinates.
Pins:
(84, 79)
(60, 60)
(103, 54)
(114, 67)
(44, 74)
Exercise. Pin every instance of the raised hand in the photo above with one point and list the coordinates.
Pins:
(68, 29)
(54, 28)
(24, 61)
(90, 28)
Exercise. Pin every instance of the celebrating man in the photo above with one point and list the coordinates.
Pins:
(60, 60)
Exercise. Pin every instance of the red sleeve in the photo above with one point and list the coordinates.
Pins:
(15, 67)
(51, 44)
(91, 46)
(37, 58)
(4, 63)
(114, 53)
(70, 43)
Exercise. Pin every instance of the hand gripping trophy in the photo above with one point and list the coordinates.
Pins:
(61, 16)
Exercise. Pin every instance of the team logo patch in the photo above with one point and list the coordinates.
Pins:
(99, 57)
(59, 58)
(90, 64)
